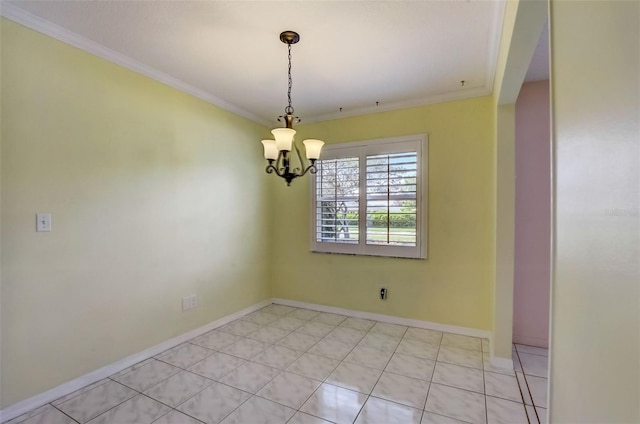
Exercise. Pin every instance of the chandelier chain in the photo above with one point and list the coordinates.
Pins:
(289, 109)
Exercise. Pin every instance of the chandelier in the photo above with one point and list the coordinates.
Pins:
(278, 152)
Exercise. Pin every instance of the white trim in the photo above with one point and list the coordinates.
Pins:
(45, 27)
(466, 93)
(64, 389)
(361, 150)
(465, 331)
(494, 44)
(506, 363)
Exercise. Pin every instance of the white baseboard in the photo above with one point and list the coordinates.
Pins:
(64, 389)
(465, 331)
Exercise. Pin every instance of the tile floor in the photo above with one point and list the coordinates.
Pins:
(298, 366)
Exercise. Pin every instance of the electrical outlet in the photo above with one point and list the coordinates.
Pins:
(383, 293)
(189, 302)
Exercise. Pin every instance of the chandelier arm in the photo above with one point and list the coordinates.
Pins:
(310, 169)
(295, 146)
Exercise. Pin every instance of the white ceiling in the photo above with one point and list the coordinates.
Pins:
(351, 55)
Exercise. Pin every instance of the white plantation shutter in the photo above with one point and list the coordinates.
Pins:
(391, 199)
(337, 200)
(368, 198)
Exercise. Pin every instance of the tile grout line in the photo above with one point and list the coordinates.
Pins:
(535, 411)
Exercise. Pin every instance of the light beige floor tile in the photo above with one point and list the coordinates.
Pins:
(502, 386)
(260, 317)
(316, 329)
(245, 348)
(217, 366)
(331, 348)
(259, 411)
(288, 323)
(214, 403)
(302, 418)
(304, 314)
(240, 328)
(458, 376)
(542, 415)
(431, 418)
(428, 336)
(393, 330)
(411, 366)
(313, 366)
(277, 356)
(456, 403)
(531, 413)
(94, 402)
(176, 417)
(354, 377)
(250, 376)
(464, 342)
(346, 335)
(380, 411)
(524, 388)
(139, 410)
(534, 364)
(44, 415)
(289, 389)
(368, 357)
(185, 355)
(216, 340)
(418, 348)
(148, 375)
(380, 342)
(175, 390)
(334, 404)
(358, 324)
(502, 411)
(299, 341)
(538, 390)
(268, 334)
(460, 356)
(330, 319)
(78, 392)
(401, 389)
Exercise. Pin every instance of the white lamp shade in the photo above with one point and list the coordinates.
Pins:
(270, 149)
(313, 148)
(284, 138)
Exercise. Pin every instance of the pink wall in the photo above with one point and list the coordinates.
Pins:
(533, 220)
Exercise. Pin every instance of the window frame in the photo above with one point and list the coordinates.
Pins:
(362, 149)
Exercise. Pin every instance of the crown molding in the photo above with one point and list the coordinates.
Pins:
(388, 107)
(50, 29)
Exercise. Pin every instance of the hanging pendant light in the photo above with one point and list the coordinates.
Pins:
(278, 152)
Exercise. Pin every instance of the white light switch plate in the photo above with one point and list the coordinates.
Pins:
(43, 222)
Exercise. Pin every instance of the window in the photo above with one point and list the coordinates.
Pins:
(368, 198)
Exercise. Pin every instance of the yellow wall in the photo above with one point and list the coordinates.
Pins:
(453, 286)
(595, 318)
(154, 194)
